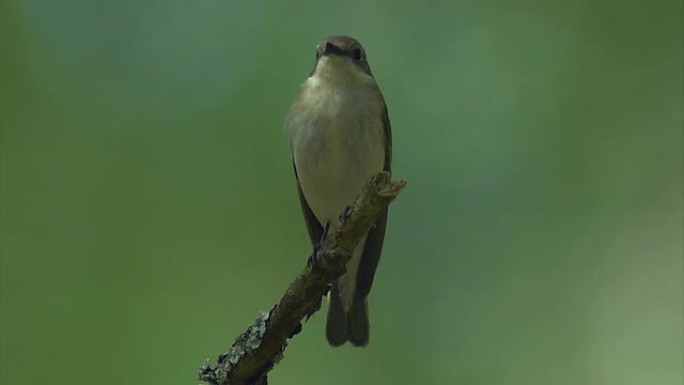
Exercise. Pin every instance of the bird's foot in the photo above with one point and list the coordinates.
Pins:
(313, 259)
(345, 214)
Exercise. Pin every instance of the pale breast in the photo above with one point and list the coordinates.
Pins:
(337, 142)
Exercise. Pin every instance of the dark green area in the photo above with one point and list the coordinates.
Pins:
(148, 209)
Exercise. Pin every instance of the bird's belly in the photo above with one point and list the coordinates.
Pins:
(334, 159)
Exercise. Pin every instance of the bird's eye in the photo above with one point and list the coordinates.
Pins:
(357, 54)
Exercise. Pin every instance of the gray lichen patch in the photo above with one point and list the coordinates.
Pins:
(246, 342)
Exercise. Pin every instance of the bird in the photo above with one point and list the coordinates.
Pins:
(340, 136)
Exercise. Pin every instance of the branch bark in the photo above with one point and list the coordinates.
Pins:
(257, 350)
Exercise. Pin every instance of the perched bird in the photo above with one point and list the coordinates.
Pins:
(340, 136)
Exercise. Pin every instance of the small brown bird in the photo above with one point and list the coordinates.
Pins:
(340, 136)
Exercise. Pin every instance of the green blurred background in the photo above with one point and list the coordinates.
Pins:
(148, 209)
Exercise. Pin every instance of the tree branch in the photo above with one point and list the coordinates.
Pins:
(261, 346)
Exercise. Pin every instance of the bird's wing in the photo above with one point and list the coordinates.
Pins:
(376, 236)
(313, 226)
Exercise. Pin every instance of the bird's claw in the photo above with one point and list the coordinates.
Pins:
(345, 214)
(313, 259)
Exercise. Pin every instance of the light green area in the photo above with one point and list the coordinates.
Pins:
(148, 209)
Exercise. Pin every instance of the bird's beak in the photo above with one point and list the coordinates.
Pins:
(331, 49)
